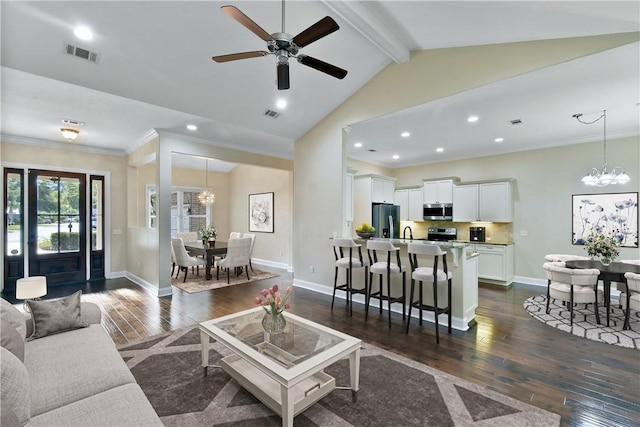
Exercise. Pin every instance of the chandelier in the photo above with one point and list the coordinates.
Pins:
(206, 196)
(604, 176)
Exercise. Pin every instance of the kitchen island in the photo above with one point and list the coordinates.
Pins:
(462, 262)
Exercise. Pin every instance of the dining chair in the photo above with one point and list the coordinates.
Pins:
(432, 276)
(383, 250)
(630, 298)
(573, 285)
(184, 260)
(253, 242)
(173, 261)
(188, 236)
(565, 257)
(235, 235)
(237, 256)
(347, 260)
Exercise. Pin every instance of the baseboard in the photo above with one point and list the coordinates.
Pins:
(456, 322)
(116, 275)
(530, 281)
(268, 263)
(148, 287)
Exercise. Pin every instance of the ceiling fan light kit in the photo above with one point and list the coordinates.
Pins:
(603, 177)
(284, 46)
(69, 134)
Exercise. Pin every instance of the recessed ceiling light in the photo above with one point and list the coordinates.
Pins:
(281, 103)
(358, 144)
(499, 139)
(395, 156)
(472, 119)
(405, 134)
(439, 150)
(83, 33)
(192, 127)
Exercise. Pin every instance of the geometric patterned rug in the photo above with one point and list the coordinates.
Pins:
(394, 391)
(199, 283)
(584, 321)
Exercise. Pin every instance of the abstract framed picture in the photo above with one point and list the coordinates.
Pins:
(261, 212)
(608, 213)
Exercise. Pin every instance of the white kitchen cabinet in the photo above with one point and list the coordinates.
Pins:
(465, 203)
(382, 190)
(402, 200)
(437, 191)
(347, 204)
(495, 263)
(487, 201)
(410, 202)
(415, 205)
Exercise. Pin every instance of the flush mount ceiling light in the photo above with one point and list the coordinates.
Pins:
(603, 177)
(358, 144)
(396, 157)
(405, 134)
(69, 134)
(472, 119)
(192, 127)
(207, 196)
(439, 150)
(83, 33)
(499, 139)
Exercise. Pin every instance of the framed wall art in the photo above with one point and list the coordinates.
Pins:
(609, 213)
(261, 212)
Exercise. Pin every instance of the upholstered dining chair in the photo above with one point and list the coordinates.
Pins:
(630, 298)
(573, 285)
(235, 235)
(380, 263)
(173, 261)
(184, 260)
(237, 256)
(630, 261)
(253, 242)
(432, 276)
(348, 255)
(188, 236)
(565, 257)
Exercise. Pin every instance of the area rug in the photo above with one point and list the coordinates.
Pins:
(394, 391)
(584, 321)
(199, 283)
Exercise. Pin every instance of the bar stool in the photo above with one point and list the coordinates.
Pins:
(348, 263)
(430, 275)
(381, 268)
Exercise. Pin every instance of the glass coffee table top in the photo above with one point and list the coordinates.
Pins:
(300, 340)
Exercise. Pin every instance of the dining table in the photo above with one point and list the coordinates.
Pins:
(613, 272)
(208, 250)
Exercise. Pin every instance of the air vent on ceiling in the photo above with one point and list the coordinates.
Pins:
(81, 53)
(271, 113)
(515, 122)
(371, 150)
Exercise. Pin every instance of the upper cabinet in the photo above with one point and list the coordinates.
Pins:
(485, 201)
(382, 190)
(410, 202)
(440, 191)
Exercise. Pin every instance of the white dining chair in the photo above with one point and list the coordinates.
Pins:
(237, 256)
(253, 242)
(235, 235)
(630, 298)
(184, 260)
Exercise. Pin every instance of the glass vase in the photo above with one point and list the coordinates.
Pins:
(606, 260)
(274, 325)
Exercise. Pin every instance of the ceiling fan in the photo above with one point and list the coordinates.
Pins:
(284, 46)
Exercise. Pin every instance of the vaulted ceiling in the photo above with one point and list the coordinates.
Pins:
(154, 70)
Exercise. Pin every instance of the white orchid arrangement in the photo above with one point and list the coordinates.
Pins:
(208, 232)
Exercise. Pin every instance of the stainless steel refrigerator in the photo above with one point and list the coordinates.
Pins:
(386, 220)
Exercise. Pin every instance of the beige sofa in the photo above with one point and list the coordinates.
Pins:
(72, 378)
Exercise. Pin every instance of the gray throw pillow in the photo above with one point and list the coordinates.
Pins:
(11, 340)
(52, 317)
(8, 313)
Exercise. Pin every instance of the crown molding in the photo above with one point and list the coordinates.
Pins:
(68, 146)
(149, 136)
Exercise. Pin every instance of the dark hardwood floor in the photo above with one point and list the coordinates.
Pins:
(587, 383)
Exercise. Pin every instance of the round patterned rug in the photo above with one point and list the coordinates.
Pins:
(584, 321)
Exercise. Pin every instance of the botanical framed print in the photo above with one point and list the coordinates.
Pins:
(608, 213)
(261, 212)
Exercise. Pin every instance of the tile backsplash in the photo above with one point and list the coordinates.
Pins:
(495, 232)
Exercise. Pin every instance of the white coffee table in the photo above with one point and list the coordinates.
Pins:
(285, 371)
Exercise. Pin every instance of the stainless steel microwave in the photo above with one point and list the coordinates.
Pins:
(437, 211)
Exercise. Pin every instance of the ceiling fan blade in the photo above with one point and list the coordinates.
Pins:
(322, 28)
(332, 70)
(243, 19)
(241, 55)
(283, 76)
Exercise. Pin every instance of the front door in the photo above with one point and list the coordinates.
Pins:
(57, 226)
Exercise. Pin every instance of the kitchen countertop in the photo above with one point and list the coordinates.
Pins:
(450, 244)
(490, 242)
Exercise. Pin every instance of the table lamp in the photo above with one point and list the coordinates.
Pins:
(31, 288)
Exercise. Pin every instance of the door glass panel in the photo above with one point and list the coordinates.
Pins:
(58, 214)
(13, 223)
(97, 215)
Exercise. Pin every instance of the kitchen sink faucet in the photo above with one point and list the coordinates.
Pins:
(404, 233)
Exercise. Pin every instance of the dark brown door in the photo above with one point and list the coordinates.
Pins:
(57, 226)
